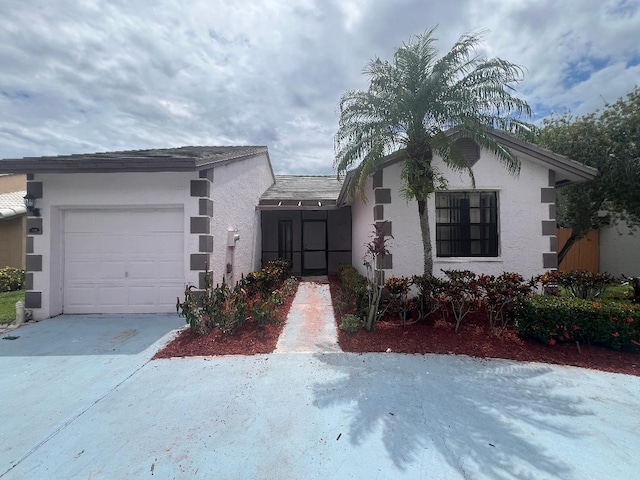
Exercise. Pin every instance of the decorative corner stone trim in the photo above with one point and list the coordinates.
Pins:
(199, 261)
(206, 243)
(378, 179)
(382, 195)
(208, 174)
(552, 211)
(33, 300)
(549, 260)
(28, 281)
(206, 207)
(200, 225)
(34, 225)
(549, 227)
(33, 263)
(29, 245)
(200, 188)
(202, 282)
(552, 178)
(548, 195)
(386, 226)
(378, 212)
(35, 189)
(553, 244)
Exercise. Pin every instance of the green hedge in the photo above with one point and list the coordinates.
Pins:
(552, 320)
(11, 279)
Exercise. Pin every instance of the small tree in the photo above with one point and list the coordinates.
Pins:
(376, 250)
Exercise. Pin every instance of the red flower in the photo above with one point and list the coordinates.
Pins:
(615, 334)
(596, 305)
(552, 342)
(629, 319)
(634, 342)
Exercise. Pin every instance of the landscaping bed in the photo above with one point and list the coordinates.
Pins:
(474, 338)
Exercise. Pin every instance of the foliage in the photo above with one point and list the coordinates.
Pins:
(460, 292)
(8, 305)
(429, 290)
(225, 308)
(410, 105)
(398, 289)
(501, 296)
(553, 320)
(353, 295)
(376, 249)
(350, 323)
(11, 279)
(608, 142)
(633, 293)
(578, 283)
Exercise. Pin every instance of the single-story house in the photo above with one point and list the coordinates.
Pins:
(124, 232)
(13, 220)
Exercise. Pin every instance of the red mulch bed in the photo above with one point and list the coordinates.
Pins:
(474, 338)
(250, 340)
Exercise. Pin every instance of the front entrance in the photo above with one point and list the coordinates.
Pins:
(314, 247)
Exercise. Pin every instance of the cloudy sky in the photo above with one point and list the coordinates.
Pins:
(80, 76)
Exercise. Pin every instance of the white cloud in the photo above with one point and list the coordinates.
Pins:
(109, 75)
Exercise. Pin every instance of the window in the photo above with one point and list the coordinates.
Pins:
(467, 224)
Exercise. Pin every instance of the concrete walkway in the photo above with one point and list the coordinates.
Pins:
(311, 326)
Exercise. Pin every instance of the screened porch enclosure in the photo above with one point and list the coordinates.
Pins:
(316, 241)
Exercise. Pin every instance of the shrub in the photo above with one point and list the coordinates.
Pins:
(552, 320)
(398, 289)
(429, 288)
(502, 295)
(460, 292)
(578, 283)
(11, 279)
(354, 290)
(350, 323)
(633, 293)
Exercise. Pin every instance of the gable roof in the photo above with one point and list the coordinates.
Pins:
(153, 160)
(567, 171)
(12, 204)
(302, 192)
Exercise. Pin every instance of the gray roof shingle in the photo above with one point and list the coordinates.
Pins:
(308, 190)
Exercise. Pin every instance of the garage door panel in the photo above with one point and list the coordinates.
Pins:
(123, 261)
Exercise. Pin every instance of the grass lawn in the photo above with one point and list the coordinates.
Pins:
(8, 305)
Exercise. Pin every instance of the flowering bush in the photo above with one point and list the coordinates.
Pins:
(398, 289)
(429, 289)
(553, 320)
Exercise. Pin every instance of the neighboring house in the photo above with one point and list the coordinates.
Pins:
(506, 223)
(12, 220)
(124, 232)
(620, 249)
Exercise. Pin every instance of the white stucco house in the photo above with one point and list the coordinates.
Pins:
(124, 232)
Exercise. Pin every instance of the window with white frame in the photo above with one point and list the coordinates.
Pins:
(467, 224)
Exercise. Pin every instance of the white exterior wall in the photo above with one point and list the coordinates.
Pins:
(236, 190)
(520, 215)
(620, 251)
(361, 227)
(104, 190)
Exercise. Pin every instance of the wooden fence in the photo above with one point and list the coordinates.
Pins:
(585, 253)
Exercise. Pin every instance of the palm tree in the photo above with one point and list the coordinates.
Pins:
(410, 105)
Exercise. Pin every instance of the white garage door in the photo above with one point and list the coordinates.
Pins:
(123, 261)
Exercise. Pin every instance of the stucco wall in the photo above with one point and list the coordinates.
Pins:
(361, 226)
(12, 183)
(520, 215)
(12, 241)
(236, 190)
(619, 251)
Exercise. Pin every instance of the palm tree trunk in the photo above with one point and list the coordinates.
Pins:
(426, 237)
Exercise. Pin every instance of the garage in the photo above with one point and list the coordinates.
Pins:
(123, 260)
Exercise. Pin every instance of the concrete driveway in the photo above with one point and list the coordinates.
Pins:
(103, 410)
